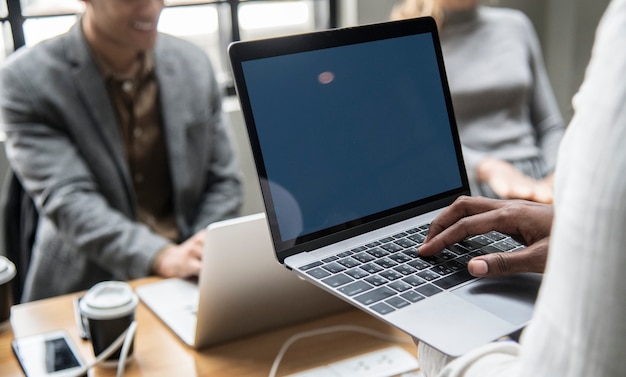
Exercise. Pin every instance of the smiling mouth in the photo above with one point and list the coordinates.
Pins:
(144, 26)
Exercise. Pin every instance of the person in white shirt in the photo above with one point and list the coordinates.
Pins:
(579, 324)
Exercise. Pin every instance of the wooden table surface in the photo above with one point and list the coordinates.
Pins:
(158, 352)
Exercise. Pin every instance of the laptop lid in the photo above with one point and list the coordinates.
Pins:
(351, 129)
(241, 289)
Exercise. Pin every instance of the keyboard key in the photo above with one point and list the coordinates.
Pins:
(386, 263)
(400, 258)
(405, 243)
(363, 257)
(442, 270)
(414, 280)
(337, 280)
(412, 296)
(355, 288)
(433, 260)
(391, 275)
(357, 273)
(329, 259)
(495, 236)
(446, 254)
(412, 252)
(375, 295)
(419, 264)
(392, 247)
(489, 249)
(345, 254)
(377, 252)
(458, 249)
(454, 279)
(471, 244)
(318, 273)
(371, 268)
(333, 267)
(383, 308)
(405, 269)
(428, 275)
(376, 280)
(400, 235)
(428, 290)
(455, 265)
(482, 240)
(349, 262)
(506, 245)
(477, 253)
(464, 259)
(397, 302)
(399, 286)
(417, 238)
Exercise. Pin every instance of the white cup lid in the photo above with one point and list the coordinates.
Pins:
(108, 300)
(7, 270)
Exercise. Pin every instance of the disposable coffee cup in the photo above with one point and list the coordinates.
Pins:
(7, 273)
(109, 309)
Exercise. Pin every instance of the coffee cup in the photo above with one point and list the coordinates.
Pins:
(108, 309)
(7, 273)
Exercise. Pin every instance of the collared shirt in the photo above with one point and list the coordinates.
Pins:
(136, 101)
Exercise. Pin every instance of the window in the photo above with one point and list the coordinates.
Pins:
(5, 31)
(5, 41)
(212, 25)
(39, 29)
(270, 18)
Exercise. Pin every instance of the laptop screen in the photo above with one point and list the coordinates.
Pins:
(348, 133)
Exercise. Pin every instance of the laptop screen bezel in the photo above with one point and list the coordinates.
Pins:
(241, 52)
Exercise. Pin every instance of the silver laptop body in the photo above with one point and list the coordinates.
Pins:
(356, 147)
(241, 289)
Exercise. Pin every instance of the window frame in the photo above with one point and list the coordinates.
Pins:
(16, 19)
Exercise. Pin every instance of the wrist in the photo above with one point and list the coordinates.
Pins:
(158, 266)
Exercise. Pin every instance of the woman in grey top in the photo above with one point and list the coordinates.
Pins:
(508, 118)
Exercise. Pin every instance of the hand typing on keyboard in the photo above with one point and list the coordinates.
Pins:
(527, 222)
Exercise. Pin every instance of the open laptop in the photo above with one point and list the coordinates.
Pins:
(357, 150)
(232, 299)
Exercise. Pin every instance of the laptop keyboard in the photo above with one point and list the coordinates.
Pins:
(388, 274)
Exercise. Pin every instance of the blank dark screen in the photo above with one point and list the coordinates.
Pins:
(351, 131)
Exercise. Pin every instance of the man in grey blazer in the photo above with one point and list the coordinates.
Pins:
(117, 134)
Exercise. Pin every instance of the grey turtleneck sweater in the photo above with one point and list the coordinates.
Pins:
(503, 101)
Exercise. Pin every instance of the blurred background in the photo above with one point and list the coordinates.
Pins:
(565, 29)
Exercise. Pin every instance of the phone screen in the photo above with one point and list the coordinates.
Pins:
(46, 354)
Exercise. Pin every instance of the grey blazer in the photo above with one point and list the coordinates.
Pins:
(63, 143)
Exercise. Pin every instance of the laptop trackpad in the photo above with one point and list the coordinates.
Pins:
(511, 298)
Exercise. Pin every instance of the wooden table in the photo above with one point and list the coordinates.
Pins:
(158, 352)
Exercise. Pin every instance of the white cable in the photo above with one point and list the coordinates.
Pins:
(128, 341)
(327, 330)
(109, 350)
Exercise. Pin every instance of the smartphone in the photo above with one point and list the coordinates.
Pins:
(50, 354)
